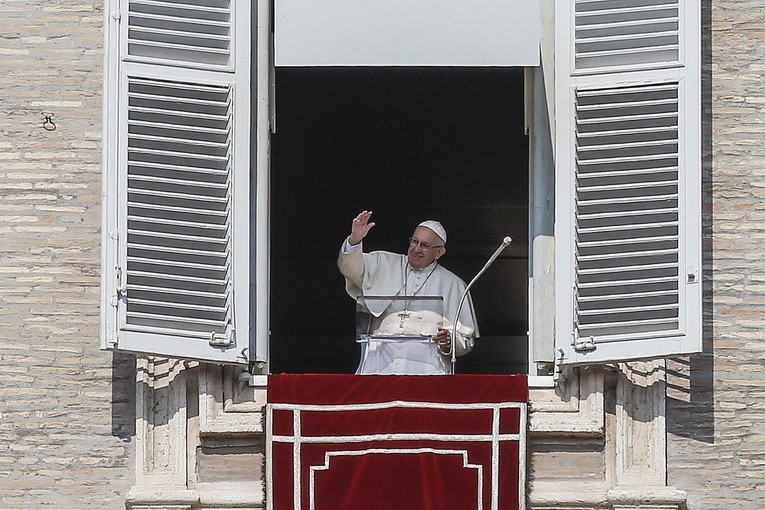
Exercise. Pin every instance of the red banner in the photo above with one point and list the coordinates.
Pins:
(346, 442)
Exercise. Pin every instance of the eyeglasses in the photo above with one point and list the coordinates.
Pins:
(413, 241)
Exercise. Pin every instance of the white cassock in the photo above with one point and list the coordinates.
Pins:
(382, 273)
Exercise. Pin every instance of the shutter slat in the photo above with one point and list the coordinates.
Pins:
(178, 182)
(631, 227)
(181, 321)
(179, 237)
(156, 32)
(626, 283)
(185, 6)
(629, 118)
(175, 305)
(627, 173)
(618, 38)
(626, 159)
(623, 214)
(628, 309)
(154, 167)
(601, 94)
(629, 325)
(169, 209)
(199, 51)
(201, 333)
(175, 264)
(178, 251)
(174, 20)
(628, 187)
(628, 200)
(618, 242)
(624, 105)
(625, 254)
(179, 196)
(637, 11)
(178, 223)
(177, 113)
(179, 99)
(621, 146)
(627, 295)
(183, 292)
(202, 158)
(189, 143)
(632, 51)
(621, 269)
(178, 278)
(624, 132)
(178, 127)
(621, 9)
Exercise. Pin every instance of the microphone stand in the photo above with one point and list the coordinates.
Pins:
(505, 243)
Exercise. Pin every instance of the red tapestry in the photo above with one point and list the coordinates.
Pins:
(346, 442)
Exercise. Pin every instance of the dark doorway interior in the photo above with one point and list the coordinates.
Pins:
(409, 144)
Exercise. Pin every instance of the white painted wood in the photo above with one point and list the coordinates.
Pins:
(407, 33)
(177, 180)
(626, 316)
(261, 205)
(547, 61)
(541, 230)
(109, 228)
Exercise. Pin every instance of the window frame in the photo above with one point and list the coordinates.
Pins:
(260, 89)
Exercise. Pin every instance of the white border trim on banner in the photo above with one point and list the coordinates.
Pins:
(297, 439)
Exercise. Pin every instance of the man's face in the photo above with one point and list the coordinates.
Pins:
(424, 248)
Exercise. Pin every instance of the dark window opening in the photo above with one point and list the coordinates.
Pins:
(409, 144)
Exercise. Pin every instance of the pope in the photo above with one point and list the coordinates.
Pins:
(416, 274)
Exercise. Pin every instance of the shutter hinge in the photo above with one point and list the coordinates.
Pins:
(583, 344)
(220, 339)
(120, 287)
(558, 375)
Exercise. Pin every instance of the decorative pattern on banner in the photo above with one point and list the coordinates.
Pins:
(379, 442)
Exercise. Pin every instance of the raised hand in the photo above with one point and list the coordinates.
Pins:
(360, 227)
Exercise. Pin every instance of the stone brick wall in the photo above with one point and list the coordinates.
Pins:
(716, 406)
(66, 408)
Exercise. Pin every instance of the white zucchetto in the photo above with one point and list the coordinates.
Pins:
(436, 227)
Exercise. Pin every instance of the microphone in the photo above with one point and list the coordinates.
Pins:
(505, 243)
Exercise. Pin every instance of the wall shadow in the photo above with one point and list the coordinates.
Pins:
(690, 381)
(123, 395)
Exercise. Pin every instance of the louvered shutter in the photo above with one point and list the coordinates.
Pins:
(628, 174)
(177, 170)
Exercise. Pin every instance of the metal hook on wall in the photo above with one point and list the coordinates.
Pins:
(48, 123)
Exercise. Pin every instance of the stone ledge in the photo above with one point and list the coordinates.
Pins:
(148, 497)
(595, 495)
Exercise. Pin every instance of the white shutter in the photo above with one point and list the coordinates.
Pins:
(177, 179)
(628, 174)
